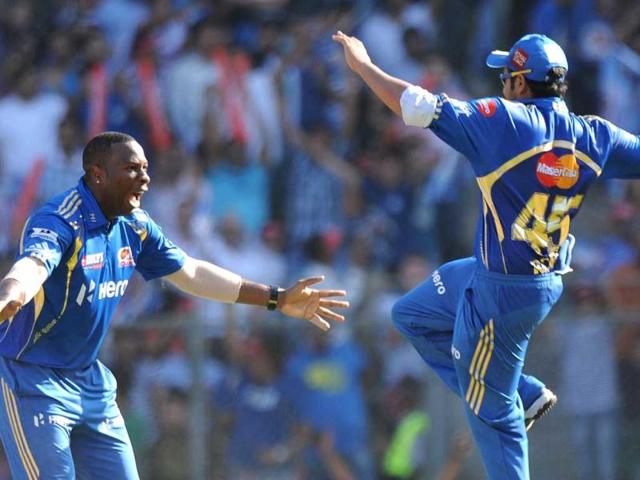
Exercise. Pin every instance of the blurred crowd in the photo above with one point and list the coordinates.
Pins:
(269, 158)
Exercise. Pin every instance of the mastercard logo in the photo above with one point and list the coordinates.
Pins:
(553, 171)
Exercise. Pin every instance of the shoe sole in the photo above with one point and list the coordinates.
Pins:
(528, 423)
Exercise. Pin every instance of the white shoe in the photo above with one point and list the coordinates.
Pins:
(545, 402)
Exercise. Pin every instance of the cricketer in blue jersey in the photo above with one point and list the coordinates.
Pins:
(534, 161)
(59, 417)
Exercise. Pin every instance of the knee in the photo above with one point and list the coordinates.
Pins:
(499, 413)
(400, 315)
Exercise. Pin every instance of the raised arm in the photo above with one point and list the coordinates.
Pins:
(206, 280)
(389, 89)
(20, 285)
(414, 104)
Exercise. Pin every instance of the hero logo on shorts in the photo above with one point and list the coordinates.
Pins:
(487, 107)
(520, 58)
(44, 234)
(562, 172)
(125, 257)
(437, 282)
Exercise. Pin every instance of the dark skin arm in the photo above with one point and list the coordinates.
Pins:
(297, 301)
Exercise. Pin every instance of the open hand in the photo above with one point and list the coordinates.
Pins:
(355, 53)
(9, 305)
(311, 304)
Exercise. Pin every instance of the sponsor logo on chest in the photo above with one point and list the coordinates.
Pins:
(93, 261)
(562, 172)
(112, 289)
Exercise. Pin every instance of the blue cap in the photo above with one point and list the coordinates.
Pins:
(536, 53)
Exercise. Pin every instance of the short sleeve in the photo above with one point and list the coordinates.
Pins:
(46, 237)
(470, 127)
(159, 256)
(623, 160)
(418, 106)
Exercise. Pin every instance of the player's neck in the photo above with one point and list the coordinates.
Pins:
(101, 198)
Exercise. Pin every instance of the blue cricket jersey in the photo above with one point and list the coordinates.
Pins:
(90, 260)
(533, 161)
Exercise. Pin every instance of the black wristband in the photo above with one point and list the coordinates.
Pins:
(274, 293)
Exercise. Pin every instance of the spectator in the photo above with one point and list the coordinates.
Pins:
(240, 188)
(328, 397)
(192, 81)
(254, 404)
(65, 165)
(21, 111)
(590, 383)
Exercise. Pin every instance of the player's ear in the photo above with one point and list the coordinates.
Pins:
(522, 87)
(96, 174)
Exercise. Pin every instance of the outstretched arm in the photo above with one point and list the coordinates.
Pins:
(387, 88)
(204, 279)
(20, 285)
(414, 104)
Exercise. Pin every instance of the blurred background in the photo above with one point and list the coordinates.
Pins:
(269, 158)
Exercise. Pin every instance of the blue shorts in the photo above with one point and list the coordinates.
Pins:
(63, 423)
(473, 328)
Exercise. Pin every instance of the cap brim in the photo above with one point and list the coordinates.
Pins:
(498, 59)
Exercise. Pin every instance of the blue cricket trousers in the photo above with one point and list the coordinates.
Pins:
(473, 327)
(63, 423)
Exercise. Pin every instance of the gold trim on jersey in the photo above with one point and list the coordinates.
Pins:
(72, 263)
(484, 250)
(38, 301)
(10, 405)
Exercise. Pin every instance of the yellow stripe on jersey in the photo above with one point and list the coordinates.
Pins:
(29, 463)
(72, 263)
(38, 301)
(485, 248)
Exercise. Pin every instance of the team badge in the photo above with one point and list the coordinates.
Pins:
(125, 257)
(562, 172)
(519, 59)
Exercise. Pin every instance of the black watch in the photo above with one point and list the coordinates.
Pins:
(274, 293)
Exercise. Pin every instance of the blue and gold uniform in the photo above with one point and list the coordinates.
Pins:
(472, 319)
(57, 397)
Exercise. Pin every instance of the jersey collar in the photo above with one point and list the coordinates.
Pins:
(93, 216)
(555, 103)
